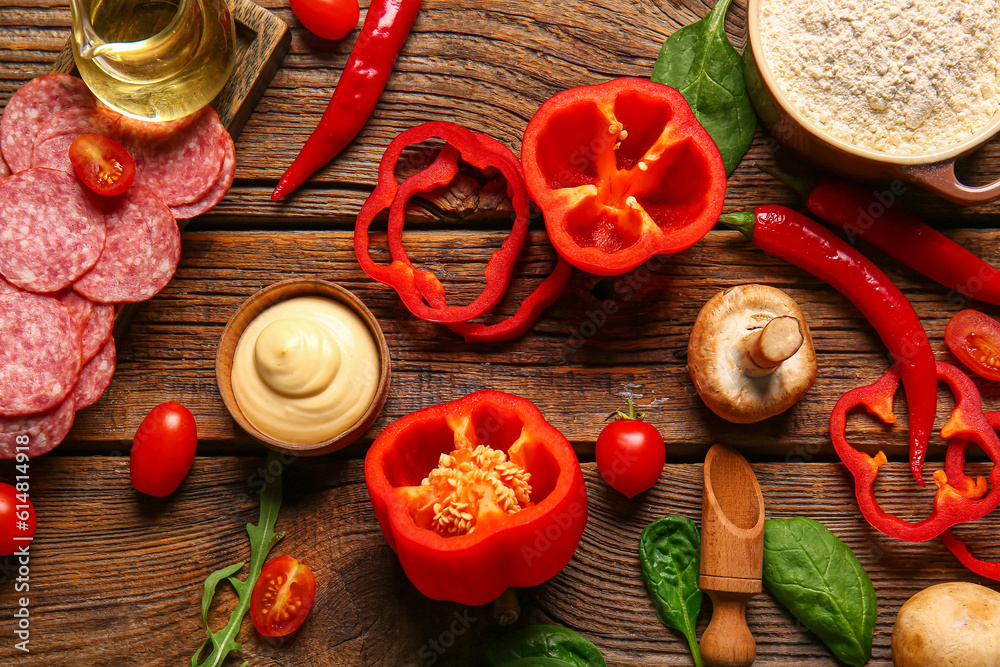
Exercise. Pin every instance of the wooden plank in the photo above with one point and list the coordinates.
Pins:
(610, 337)
(116, 578)
(262, 40)
(488, 69)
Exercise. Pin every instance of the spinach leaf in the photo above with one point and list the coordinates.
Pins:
(262, 539)
(699, 61)
(820, 580)
(670, 551)
(543, 645)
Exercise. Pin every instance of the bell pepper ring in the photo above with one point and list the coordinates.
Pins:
(477, 495)
(958, 498)
(438, 174)
(422, 293)
(622, 171)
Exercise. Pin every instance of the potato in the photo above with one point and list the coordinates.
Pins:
(948, 625)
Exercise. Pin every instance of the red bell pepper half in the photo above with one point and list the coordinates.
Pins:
(959, 498)
(477, 495)
(622, 171)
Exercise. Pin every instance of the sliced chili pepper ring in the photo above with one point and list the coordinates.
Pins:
(477, 495)
(411, 284)
(622, 171)
(952, 504)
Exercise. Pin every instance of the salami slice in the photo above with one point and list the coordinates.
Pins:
(141, 253)
(52, 144)
(218, 191)
(99, 328)
(51, 232)
(43, 431)
(40, 353)
(4, 169)
(7, 288)
(78, 306)
(180, 163)
(96, 376)
(30, 108)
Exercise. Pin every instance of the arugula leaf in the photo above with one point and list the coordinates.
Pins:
(699, 61)
(539, 645)
(670, 551)
(820, 580)
(262, 539)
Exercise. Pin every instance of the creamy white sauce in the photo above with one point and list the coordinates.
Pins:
(305, 370)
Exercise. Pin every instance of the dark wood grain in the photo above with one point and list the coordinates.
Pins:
(116, 578)
(488, 69)
(617, 337)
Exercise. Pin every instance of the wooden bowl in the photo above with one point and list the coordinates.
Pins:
(261, 301)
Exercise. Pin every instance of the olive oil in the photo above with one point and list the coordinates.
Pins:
(153, 59)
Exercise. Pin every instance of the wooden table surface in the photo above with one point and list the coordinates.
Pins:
(116, 578)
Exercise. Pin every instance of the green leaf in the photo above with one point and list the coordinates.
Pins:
(699, 61)
(820, 580)
(542, 645)
(670, 552)
(262, 539)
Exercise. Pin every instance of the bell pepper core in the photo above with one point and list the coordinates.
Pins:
(477, 495)
(622, 171)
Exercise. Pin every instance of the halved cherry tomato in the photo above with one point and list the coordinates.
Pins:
(163, 449)
(17, 520)
(630, 453)
(975, 339)
(282, 597)
(102, 164)
(329, 19)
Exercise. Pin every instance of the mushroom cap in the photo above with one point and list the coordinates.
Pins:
(718, 360)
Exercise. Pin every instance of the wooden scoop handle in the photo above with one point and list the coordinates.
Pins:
(727, 641)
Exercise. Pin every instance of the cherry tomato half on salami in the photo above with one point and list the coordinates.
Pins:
(329, 19)
(975, 339)
(102, 164)
(17, 520)
(163, 450)
(282, 597)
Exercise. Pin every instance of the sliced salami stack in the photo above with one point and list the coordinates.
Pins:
(67, 255)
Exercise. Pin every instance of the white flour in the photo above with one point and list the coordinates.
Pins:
(897, 76)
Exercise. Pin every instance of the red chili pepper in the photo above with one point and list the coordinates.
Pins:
(622, 171)
(958, 498)
(477, 495)
(863, 214)
(795, 238)
(386, 27)
(421, 291)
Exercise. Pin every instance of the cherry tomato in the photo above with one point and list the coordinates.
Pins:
(630, 453)
(17, 520)
(102, 164)
(329, 19)
(282, 597)
(975, 339)
(163, 449)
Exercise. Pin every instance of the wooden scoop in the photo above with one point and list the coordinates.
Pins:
(732, 556)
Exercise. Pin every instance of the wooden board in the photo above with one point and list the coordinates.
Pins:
(117, 578)
(262, 40)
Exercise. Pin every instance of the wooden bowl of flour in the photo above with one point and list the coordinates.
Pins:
(933, 170)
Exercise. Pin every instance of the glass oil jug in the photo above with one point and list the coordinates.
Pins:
(153, 59)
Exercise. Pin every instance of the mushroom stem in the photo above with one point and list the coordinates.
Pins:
(778, 340)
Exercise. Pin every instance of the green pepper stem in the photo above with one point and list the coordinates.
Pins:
(743, 222)
(803, 184)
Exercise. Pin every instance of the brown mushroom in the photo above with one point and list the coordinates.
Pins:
(750, 354)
